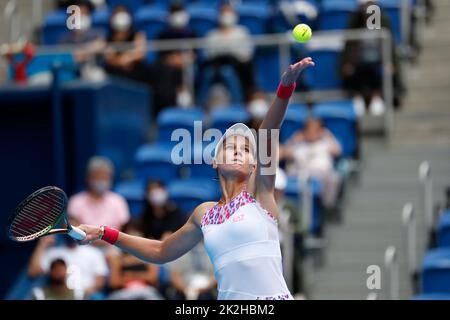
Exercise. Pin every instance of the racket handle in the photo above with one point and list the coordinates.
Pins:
(77, 233)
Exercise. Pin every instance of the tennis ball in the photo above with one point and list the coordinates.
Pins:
(302, 33)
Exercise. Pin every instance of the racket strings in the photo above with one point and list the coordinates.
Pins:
(38, 215)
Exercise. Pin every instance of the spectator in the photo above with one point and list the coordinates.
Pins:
(86, 265)
(361, 66)
(231, 45)
(312, 153)
(178, 27)
(291, 232)
(195, 271)
(55, 288)
(128, 61)
(160, 216)
(98, 205)
(135, 279)
(91, 40)
(257, 107)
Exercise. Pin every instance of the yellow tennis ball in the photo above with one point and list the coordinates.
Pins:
(302, 32)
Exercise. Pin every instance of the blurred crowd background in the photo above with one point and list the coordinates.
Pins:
(92, 110)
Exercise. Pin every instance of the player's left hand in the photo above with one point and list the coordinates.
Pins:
(293, 71)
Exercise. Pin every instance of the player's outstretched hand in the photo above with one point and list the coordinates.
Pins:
(293, 71)
(92, 233)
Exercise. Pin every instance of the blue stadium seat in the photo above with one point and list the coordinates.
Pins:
(225, 117)
(431, 296)
(151, 19)
(199, 168)
(254, 16)
(293, 192)
(325, 74)
(43, 63)
(203, 18)
(335, 14)
(294, 120)
(100, 18)
(267, 68)
(174, 118)
(132, 5)
(340, 118)
(443, 230)
(189, 193)
(154, 161)
(393, 10)
(436, 271)
(134, 192)
(54, 27)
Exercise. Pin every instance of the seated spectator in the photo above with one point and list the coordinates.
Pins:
(86, 265)
(128, 61)
(160, 216)
(195, 271)
(361, 66)
(55, 287)
(178, 27)
(257, 107)
(98, 205)
(311, 153)
(135, 279)
(231, 45)
(291, 231)
(91, 40)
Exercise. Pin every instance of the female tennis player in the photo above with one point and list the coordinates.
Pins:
(240, 230)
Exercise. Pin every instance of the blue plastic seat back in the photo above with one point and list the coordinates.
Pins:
(151, 19)
(154, 161)
(254, 16)
(54, 27)
(339, 117)
(224, 117)
(294, 120)
(174, 118)
(134, 192)
(443, 230)
(189, 193)
(335, 14)
(203, 18)
(436, 271)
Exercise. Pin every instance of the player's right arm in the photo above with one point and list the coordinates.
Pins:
(156, 251)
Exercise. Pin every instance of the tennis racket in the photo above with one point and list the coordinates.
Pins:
(39, 214)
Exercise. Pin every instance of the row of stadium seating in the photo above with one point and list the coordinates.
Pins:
(259, 17)
(190, 184)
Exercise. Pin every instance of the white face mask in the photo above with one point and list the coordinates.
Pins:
(228, 19)
(179, 19)
(158, 196)
(184, 99)
(121, 21)
(100, 187)
(258, 108)
(85, 22)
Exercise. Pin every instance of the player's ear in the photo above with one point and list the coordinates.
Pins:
(214, 164)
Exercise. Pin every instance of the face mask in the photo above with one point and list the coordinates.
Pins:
(179, 19)
(184, 99)
(85, 22)
(228, 19)
(258, 108)
(121, 21)
(100, 186)
(158, 197)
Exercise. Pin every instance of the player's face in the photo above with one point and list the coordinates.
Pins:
(236, 156)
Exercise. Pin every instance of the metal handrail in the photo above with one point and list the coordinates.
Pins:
(410, 223)
(391, 265)
(283, 41)
(427, 194)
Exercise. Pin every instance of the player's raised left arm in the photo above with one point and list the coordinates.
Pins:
(272, 121)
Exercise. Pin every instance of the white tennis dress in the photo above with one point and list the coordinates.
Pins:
(241, 239)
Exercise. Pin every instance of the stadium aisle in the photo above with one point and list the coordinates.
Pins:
(390, 173)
